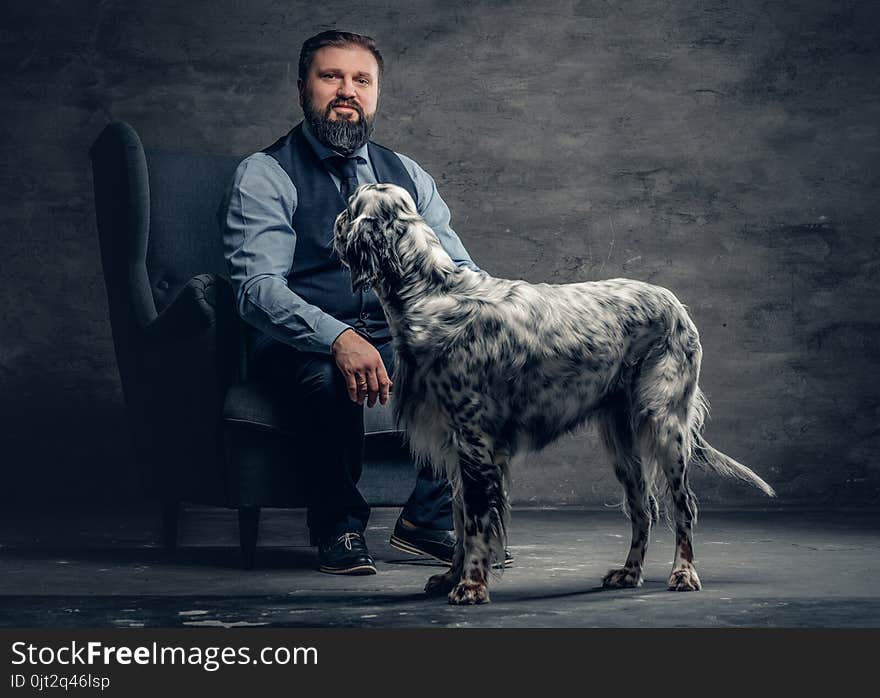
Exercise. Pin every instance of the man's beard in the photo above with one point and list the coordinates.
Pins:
(341, 135)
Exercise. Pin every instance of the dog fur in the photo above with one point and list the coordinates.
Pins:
(490, 368)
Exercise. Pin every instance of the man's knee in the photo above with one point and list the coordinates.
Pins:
(322, 378)
(324, 387)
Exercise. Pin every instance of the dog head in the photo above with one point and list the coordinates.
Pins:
(365, 235)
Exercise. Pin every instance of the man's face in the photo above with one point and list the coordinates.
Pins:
(340, 95)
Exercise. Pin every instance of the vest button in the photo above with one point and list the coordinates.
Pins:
(364, 316)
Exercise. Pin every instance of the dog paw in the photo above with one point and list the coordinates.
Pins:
(623, 578)
(439, 584)
(684, 579)
(469, 593)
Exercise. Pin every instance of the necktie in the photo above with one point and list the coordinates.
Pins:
(346, 169)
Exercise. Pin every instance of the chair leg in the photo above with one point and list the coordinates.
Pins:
(248, 527)
(170, 524)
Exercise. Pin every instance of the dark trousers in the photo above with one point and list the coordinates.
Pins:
(322, 409)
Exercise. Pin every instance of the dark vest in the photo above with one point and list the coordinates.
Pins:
(317, 275)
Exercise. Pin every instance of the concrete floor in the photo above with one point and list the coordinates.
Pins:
(759, 569)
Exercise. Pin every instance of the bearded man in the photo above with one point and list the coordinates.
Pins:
(329, 348)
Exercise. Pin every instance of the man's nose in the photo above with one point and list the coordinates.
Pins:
(346, 88)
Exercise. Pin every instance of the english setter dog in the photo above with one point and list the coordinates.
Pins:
(489, 368)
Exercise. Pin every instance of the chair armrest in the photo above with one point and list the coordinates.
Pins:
(201, 320)
(196, 309)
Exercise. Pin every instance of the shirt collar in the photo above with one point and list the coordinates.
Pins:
(323, 152)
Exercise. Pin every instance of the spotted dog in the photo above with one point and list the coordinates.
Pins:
(491, 368)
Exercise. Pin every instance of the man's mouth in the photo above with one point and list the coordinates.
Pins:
(345, 108)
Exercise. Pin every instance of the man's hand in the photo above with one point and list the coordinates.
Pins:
(362, 367)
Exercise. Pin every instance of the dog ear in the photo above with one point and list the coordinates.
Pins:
(389, 257)
(341, 234)
(363, 251)
(367, 245)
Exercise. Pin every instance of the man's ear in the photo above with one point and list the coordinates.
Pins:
(299, 88)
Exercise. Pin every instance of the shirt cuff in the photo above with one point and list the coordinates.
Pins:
(327, 332)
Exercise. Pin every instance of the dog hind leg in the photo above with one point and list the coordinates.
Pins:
(672, 457)
(617, 435)
(668, 391)
(639, 504)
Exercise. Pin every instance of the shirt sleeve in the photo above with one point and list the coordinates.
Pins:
(436, 213)
(259, 243)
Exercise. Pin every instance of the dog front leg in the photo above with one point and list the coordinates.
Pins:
(445, 582)
(483, 514)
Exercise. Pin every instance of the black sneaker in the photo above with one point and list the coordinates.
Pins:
(346, 554)
(426, 541)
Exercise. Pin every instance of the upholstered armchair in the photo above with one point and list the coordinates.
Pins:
(202, 431)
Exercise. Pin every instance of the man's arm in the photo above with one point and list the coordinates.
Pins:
(259, 243)
(436, 213)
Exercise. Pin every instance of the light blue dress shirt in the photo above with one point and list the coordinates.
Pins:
(259, 244)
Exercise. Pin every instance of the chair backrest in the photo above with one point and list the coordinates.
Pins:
(157, 226)
(157, 221)
(186, 190)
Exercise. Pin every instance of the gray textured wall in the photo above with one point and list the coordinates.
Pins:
(728, 151)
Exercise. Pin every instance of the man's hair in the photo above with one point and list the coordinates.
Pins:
(337, 39)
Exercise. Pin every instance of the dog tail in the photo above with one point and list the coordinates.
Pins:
(714, 460)
(711, 458)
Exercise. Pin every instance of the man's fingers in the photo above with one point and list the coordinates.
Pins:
(384, 385)
(351, 384)
(372, 387)
(365, 374)
(362, 386)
